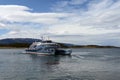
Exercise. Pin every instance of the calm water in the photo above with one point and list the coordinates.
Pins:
(83, 64)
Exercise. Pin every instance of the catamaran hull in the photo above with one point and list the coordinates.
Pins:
(38, 53)
(31, 51)
(56, 52)
(63, 52)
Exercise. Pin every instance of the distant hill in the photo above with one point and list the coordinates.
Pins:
(93, 46)
(65, 45)
(26, 42)
(17, 42)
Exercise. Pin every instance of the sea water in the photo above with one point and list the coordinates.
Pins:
(83, 64)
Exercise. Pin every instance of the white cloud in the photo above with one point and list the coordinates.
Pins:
(16, 13)
(95, 21)
(2, 25)
(101, 17)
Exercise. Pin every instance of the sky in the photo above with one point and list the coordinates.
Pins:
(83, 22)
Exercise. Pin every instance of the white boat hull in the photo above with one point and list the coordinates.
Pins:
(56, 52)
(38, 53)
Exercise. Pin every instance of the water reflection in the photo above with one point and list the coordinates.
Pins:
(48, 60)
(45, 64)
(84, 64)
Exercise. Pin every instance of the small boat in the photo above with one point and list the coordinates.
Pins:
(47, 47)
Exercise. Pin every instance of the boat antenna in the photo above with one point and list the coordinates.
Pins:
(42, 38)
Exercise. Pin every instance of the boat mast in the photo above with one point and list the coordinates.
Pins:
(42, 38)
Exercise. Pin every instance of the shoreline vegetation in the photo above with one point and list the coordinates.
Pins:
(21, 45)
(26, 42)
(86, 46)
(94, 46)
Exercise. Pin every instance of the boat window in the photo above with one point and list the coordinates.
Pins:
(34, 46)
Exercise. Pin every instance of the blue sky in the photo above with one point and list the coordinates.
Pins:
(3, 31)
(71, 21)
(36, 5)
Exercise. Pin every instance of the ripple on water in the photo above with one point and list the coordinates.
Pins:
(74, 78)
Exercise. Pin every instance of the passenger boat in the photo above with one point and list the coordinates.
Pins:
(47, 47)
